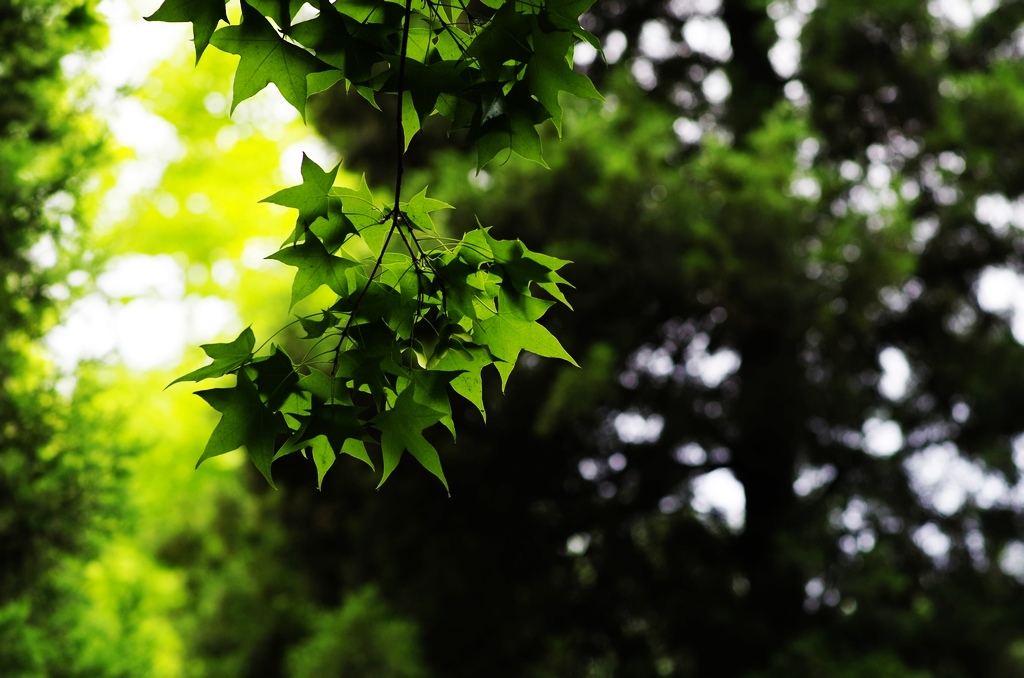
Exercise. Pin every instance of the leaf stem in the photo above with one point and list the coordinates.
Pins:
(396, 212)
(399, 127)
(271, 337)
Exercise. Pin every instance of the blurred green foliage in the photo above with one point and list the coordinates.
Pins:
(59, 484)
(361, 639)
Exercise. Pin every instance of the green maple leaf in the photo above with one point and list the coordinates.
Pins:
(333, 231)
(337, 423)
(507, 260)
(565, 15)
(467, 286)
(323, 457)
(315, 325)
(275, 378)
(324, 454)
(316, 267)
(266, 58)
(281, 11)
(514, 129)
(329, 430)
(358, 205)
(226, 357)
(339, 41)
(549, 73)
(417, 210)
(427, 81)
(569, 9)
(522, 266)
(467, 363)
(203, 14)
(410, 119)
(431, 390)
(386, 302)
(364, 367)
(401, 429)
(505, 38)
(328, 389)
(314, 197)
(514, 329)
(246, 422)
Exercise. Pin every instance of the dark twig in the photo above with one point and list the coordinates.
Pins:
(396, 212)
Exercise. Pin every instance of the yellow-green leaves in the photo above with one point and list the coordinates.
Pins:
(509, 331)
(418, 210)
(327, 430)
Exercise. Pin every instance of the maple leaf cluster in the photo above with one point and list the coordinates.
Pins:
(417, 315)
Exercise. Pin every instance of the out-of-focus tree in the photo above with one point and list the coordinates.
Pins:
(362, 638)
(86, 511)
(54, 479)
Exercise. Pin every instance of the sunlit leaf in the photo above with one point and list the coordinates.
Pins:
(316, 266)
(402, 429)
(203, 14)
(550, 73)
(246, 422)
(508, 332)
(226, 357)
(314, 196)
(266, 58)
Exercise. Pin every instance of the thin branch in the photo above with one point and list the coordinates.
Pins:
(396, 212)
(399, 128)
